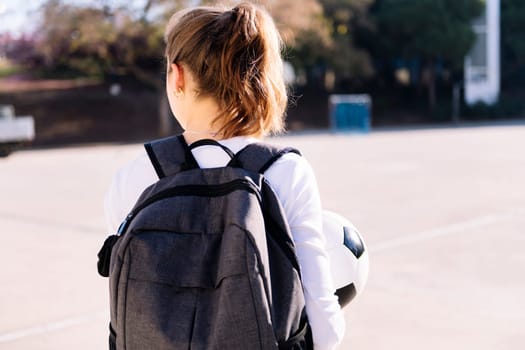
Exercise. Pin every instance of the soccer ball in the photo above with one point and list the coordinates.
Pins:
(348, 256)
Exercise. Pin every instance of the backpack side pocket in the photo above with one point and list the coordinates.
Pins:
(302, 340)
(104, 255)
(112, 338)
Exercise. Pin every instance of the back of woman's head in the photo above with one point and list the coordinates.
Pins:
(234, 56)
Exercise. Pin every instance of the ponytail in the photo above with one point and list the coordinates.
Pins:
(235, 57)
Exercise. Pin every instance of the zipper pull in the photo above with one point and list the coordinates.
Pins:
(104, 255)
(124, 225)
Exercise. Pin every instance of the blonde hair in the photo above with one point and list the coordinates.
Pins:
(235, 57)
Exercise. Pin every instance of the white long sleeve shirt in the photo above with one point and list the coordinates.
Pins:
(294, 182)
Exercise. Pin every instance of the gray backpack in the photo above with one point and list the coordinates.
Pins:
(205, 260)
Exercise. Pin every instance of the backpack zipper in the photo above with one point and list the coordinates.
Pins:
(192, 190)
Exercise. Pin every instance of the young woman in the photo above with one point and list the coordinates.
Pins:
(224, 81)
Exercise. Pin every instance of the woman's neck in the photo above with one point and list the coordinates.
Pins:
(201, 121)
(195, 135)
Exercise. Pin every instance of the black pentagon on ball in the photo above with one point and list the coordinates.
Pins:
(353, 241)
(346, 294)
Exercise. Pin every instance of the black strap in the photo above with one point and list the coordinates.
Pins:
(170, 155)
(209, 142)
(258, 157)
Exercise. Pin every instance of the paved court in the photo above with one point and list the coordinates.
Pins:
(442, 211)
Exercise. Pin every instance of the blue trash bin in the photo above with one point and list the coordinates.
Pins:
(350, 113)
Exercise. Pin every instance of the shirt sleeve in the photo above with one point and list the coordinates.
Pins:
(125, 188)
(293, 180)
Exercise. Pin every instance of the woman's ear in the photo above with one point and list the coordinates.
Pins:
(176, 77)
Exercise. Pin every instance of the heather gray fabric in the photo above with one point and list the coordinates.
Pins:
(210, 265)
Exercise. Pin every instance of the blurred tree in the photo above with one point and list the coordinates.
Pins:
(325, 48)
(429, 30)
(512, 42)
(97, 39)
(345, 59)
(109, 42)
(20, 50)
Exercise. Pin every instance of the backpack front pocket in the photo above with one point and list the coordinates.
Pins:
(192, 284)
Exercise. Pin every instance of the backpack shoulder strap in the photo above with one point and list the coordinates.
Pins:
(258, 156)
(170, 155)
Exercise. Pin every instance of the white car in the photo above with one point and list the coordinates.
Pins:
(14, 131)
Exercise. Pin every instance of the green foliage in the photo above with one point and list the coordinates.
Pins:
(329, 45)
(430, 32)
(344, 58)
(512, 41)
(99, 41)
(426, 28)
(8, 68)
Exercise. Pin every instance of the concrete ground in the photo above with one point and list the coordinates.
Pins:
(442, 212)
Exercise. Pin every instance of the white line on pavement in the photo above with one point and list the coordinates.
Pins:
(50, 327)
(50, 223)
(446, 230)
